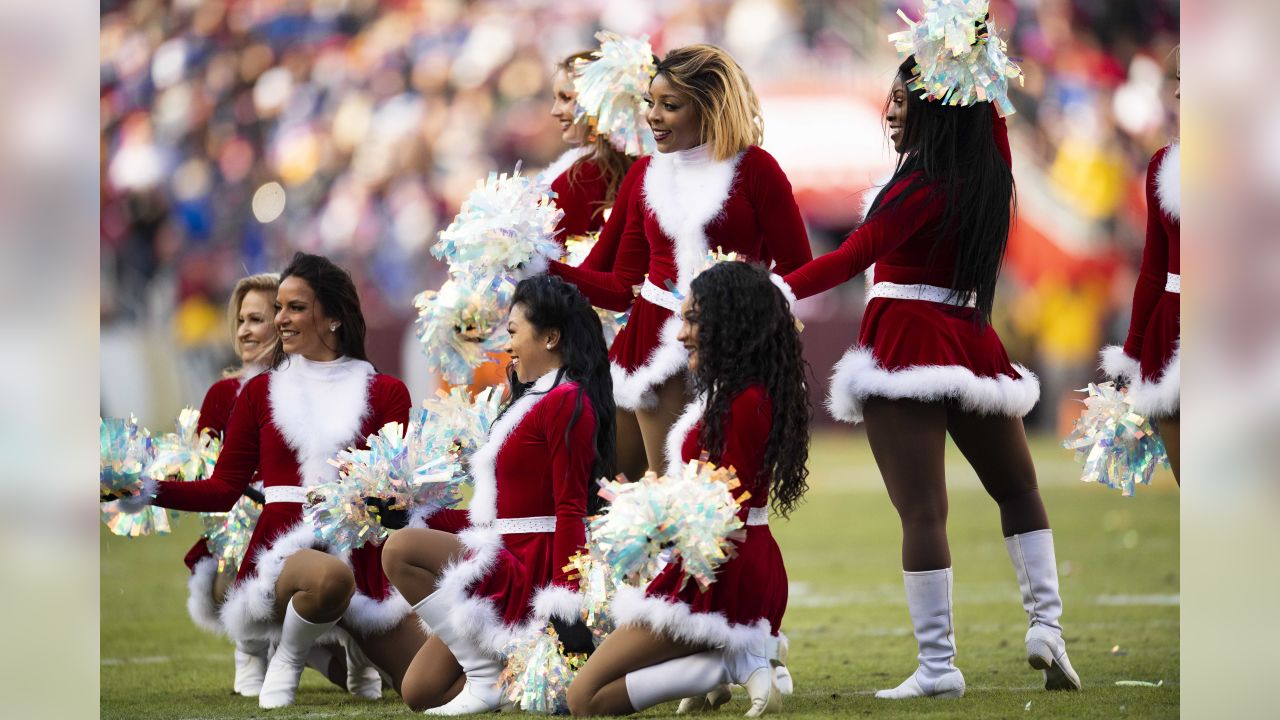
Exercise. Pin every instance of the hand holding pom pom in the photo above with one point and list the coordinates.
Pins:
(1119, 447)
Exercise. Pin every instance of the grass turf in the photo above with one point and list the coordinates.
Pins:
(847, 618)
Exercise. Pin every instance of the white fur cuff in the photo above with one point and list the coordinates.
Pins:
(1117, 365)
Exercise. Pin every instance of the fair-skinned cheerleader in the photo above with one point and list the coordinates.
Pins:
(928, 364)
(534, 486)
(710, 186)
(752, 413)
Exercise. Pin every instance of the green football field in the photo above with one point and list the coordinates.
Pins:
(847, 618)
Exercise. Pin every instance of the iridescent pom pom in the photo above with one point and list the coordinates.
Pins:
(506, 225)
(458, 418)
(956, 63)
(125, 451)
(537, 672)
(597, 587)
(1119, 448)
(611, 88)
(227, 534)
(463, 323)
(694, 514)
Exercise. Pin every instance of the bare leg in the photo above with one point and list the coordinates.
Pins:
(908, 438)
(1170, 433)
(319, 584)
(433, 678)
(631, 456)
(394, 650)
(414, 557)
(655, 423)
(222, 582)
(600, 687)
(996, 447)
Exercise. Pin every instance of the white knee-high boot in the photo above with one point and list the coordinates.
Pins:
(251, 666)
(929, 601)
(363, 678)
(1037, 568)
(285, 669)
(705, 676)
(480, 692)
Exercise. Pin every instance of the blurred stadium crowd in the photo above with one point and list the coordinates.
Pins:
(234, 132)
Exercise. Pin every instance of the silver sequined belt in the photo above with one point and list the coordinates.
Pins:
(512, 526)
(1173, 283)
(758, 516)
(285, 494)
(929, 293)
(659, 297)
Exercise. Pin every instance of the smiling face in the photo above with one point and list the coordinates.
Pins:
(896, 115)
(534, 352)
(304, 328)
(255, 330)
(673, 117)
(563, 108)
(688, 335)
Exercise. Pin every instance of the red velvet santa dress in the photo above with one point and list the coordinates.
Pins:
(915, 342)
(214, 413)
(525, 519)
(1150, 358)
(743, 608)
(582, 198)
(684, 204)
(286, 424)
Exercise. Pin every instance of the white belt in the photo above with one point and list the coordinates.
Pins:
(1173, 283)
(510, 526)
(758, 516)
(659, 297)
(930, 293)
(285, 494)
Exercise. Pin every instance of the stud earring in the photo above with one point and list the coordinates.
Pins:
(548, 346)
(333, 327)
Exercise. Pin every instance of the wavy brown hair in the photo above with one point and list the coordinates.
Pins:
(746, 335)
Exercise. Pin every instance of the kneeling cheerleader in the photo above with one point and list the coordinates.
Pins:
(533, 479)
(752, 413)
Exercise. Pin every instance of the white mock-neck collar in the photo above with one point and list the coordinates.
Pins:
(325, 370)
(700, 155)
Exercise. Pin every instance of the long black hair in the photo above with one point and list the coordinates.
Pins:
(551, 303)
(336, 293)
(745, 335)
(955, 153)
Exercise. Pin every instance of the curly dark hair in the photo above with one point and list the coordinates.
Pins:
(549, 302)
(747, 335)
(336, 293)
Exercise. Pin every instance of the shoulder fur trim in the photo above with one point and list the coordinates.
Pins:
(1159, 396)
(200, 605)
(634, 390)
(319, 417)
(858, 376)
(679, 622)
(561, 164)
(679, 431)
(483, 464)
(1169, 182)
(685, 199)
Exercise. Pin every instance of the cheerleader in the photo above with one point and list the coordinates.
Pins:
(752, 413)
(1150, 359)
(928, 363)
(710, 186)
(320, 396)
(533, 490)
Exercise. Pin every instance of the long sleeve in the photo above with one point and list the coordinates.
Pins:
(611, 289)
(236, 466)
(580, 200)
(880, 234)
(778, 215)
(1155, 266)
(215, 411)
(605, 252)
(391, 401)
(570, 474)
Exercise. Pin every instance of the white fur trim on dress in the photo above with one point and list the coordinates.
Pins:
(319, 408)
(561, 164)
(200, 605)
(475, 617)
(367, 616)
(858, 376)
(685, 198)
(635, 390)
(249, 611)
(1117, 365)
(1169, 182)
(676, 435)
(679, 622)
(1160, 397)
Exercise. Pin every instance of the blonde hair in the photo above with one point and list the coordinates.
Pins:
(613, 164)
(722, 94)
(264, 282)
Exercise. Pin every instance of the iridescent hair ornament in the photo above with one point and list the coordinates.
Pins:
(611, 87)
(960, 60)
